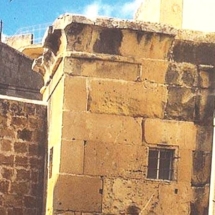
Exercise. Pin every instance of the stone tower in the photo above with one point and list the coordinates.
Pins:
(161, 11)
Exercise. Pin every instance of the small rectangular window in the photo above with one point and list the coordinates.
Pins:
(160, 164)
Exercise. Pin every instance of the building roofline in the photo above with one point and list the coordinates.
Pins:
(37, 102)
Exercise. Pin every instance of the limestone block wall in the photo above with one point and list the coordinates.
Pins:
(19, 41)
(22, 148)
(17, 78)
(116, 90)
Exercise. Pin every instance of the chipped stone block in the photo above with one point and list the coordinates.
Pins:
(111, 159)
(182, 74)
(170, 132)
(101, 127)
(72, 157)
(127, 98)
(181, 103)
(78, 193)
(102, 68)
(75, 94)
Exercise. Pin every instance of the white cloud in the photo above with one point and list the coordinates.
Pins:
(126, 10)
(98, 9)
(129, 8)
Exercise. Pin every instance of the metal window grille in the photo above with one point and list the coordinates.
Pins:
(160, 164)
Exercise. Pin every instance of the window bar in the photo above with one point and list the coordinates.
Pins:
(158, 164)
(170, 166)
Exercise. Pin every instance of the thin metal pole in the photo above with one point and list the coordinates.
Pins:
(1, 28)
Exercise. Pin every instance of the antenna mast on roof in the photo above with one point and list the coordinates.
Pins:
(1, 27)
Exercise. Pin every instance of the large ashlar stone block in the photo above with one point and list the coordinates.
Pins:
(147, 45)
(100, 68)
(174, 198)
(75, 94)
(72, 157)
(110, 159)
(184, 165)
(127, 98)
(154, 70)
(122, 195)
(102, 127)
(78, 193)
(118, 41)
(178, 133)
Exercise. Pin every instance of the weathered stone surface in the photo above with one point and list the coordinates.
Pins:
(19, 41)
(102, 68)
(17, 77)
(200, 203)
(127, 98)
(145, 44)
(180, 104)
(104, 118)
(182, 74)
(72, 157)
(104, 128)
(204, 107)
(75, 94)
(170, 132)
(122, 194)
(112, 40)
(109, 41)
(78, 193)
(195, 53)
(201, 168)
(111, 159)
(207, 79)
(204, 138)
(154, 70)
(21, 170)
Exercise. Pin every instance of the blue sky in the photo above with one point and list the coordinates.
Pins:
(16, 14)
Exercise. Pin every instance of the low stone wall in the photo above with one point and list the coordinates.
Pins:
(22, 144)
(17, 78)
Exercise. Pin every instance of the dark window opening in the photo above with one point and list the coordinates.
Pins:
(160, 164)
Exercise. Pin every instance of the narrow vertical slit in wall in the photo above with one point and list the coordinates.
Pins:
(85, 142)
(51, 161)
